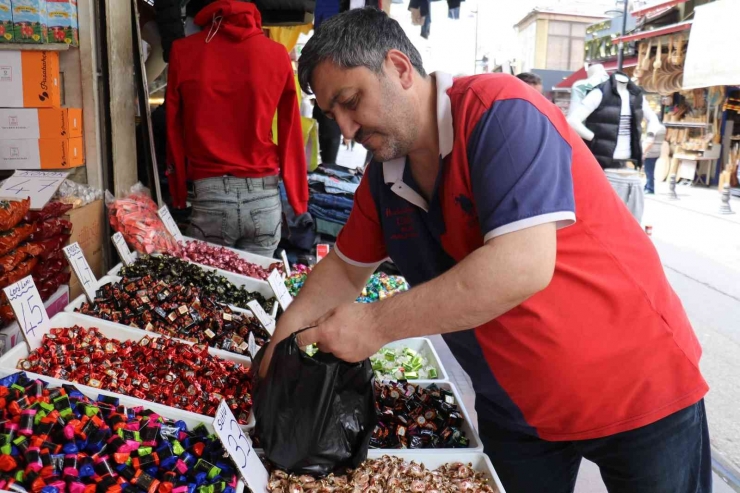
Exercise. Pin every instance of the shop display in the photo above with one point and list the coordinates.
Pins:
(176, 310)
(77, 194)
(173, 270)
(411, 416)
(388, 474)
(57, 440)
(401, 364)
(379, 287)
(136, 218)
(225, 259)
(156, 369)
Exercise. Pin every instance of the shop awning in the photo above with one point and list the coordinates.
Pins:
(656, 6)
(654, 33)
(710, 60)
(581, 74)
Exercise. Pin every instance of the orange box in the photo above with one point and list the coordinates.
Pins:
(41, 153)
(29, 79)
(60, 122)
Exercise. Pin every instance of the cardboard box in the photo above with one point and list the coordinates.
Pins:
(6, 22)
(29, 79)
(29, 21)
(40, 123)
(33, 154)
(62, 22)
(87, 230)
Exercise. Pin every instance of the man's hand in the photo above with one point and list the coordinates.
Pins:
(350, 332)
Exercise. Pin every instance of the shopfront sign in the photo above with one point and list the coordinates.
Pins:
(29, 311)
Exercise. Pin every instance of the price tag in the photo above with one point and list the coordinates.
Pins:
(285, 262)
(252, 346)
(40, 186)
(239, 447)
(262, 317)
(29, 310)
(322, 250)
(76, 259)
(169, 223)
(123, 251)
(278, 287)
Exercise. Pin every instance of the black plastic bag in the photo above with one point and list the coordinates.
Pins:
(314, 414)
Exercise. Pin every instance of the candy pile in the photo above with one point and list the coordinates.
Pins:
(402, 364)
(135, 217)
(389, 474)
(157, 369)
(56, 440)
(77, 194)
(379, 287)
(176, 310)
(410, 416)
(173, 270)
(31, 243)
(223, 258)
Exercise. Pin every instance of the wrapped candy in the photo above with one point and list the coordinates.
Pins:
(77, 194)
(56, 440)
(50, 211)
(50, 227)
(401, 364)
(13, 237)
(157, 369)
(225, 259)
(379, 287)
(12, 212)
(44, 248)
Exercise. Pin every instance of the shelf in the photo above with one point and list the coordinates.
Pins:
(687, 124)
(34, 47)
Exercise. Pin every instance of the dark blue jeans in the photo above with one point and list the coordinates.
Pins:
(650, 173)
(669, 456)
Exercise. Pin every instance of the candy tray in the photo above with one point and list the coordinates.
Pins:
(9, 362)
(425, 348)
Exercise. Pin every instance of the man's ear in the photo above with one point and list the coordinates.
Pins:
(398, 64)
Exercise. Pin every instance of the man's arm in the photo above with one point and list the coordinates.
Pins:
(492, 280)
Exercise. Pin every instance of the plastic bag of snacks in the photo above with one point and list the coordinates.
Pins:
(9, 261)
(52, 264)
(77, 194)
(20, 271)
(50, 211)
(135, 217)
(44, 248)
(48, 285)
(12, 211)
(50, 227)
(13, 237)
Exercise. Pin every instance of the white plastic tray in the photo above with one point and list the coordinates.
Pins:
(9, 362)
(425, 348)
(470, 433)
(478, 460)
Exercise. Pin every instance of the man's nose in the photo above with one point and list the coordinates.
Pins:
(347, 125)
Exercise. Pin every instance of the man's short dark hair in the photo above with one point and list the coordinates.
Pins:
(356, 38)
(530, 78)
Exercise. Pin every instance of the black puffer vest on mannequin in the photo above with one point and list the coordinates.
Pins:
(604, 123)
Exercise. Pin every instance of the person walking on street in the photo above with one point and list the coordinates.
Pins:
(520, 255)
(651, 149)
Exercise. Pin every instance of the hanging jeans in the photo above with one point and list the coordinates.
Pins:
(243, 213)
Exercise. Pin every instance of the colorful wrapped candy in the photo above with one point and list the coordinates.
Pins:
(411, 416)
(379, 287)
(176, 310)
(402, 364)
(224, 259)
(56, 440)
(156, 369)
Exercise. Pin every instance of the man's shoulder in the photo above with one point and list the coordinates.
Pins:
(488, 88)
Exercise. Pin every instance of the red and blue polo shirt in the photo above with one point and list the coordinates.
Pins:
(607, 346)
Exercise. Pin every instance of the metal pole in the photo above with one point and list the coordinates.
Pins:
(620, 56)
(475, 63)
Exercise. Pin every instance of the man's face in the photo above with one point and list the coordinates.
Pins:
(373, 109)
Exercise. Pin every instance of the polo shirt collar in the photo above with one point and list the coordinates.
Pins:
(393, 169)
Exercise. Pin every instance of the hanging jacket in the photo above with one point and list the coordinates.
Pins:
(604, 123)
(224, 85)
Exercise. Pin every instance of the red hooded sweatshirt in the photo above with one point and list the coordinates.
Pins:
(223, 87)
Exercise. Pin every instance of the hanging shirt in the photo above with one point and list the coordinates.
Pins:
(607, 346)
(224, 85)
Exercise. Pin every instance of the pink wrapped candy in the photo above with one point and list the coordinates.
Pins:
(225, 259)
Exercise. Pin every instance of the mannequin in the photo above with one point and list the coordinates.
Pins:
(613, 114)
(597, 75)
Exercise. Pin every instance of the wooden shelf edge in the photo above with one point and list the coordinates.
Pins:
(34, 47)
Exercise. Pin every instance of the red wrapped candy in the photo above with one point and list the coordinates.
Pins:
(224, 258)
(135, 217)
(51, 227)
(44, 248)
(50, 211)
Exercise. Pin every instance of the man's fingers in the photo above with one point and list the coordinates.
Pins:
(308, 337)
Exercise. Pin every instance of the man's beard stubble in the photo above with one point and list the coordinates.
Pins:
(400, 129)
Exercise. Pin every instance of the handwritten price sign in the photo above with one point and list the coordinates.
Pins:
(39, 185)
(278, 287)
(239, 447)
(123, 251)
(81, 268)
(169, 223)
(29, 310)
(262, 317)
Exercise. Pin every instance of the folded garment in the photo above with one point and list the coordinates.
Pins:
(332, 184)
(332, 215)
(331, 201)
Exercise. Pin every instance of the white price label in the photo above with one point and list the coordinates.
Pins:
(40, 186)
(252, 346)
(278, 287)
(29, 310)
(81, 268)
(239, 447)
(284, 255)
(169, 223)
(123, 251)
(262, 317)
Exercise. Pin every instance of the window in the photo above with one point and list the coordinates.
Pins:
(565, 44)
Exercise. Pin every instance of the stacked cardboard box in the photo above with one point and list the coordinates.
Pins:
(35, 133)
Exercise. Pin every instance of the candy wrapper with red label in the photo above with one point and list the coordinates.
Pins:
(53, 264)
(13, 237)
(12, 212)
(50, 211)
(51, 227)
(225, 259)
(48, 285)
(135, 217)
